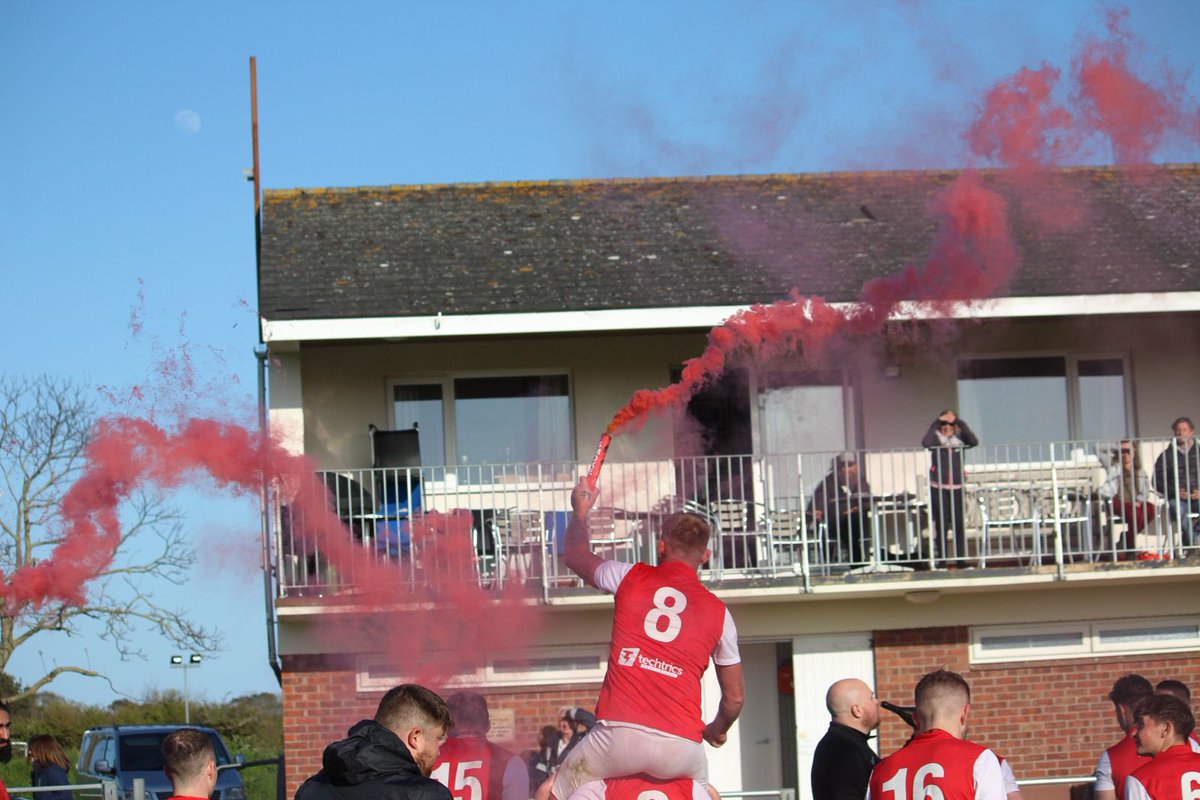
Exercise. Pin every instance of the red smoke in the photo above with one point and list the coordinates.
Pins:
(973, 256)
(1129, 110)
(125, 454)
(1021, 125)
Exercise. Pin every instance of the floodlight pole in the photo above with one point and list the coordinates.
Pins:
(178, 662)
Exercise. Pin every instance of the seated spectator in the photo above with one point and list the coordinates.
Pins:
(843, 501)
(1177, 478)
(1127, 487)
(49, 766)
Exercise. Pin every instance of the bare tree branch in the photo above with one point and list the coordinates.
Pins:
(45, 424)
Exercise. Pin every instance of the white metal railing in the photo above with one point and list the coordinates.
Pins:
(804, 517)
(107, 790)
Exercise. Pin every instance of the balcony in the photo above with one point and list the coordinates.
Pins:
(1049, 511)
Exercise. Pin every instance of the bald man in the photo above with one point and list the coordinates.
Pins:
(843, 760)
(938, 756)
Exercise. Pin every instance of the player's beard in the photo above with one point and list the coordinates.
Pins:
(6, 752)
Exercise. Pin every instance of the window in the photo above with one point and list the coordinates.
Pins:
(1102, 399)
(580, 664)
(498, 419)
(1001, 643)
(1043, 399)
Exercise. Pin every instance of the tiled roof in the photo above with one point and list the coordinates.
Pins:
(613, 244)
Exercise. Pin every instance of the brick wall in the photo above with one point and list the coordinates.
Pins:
(1048, 718)
(320, 703)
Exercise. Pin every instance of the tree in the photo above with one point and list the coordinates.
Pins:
(45, 426)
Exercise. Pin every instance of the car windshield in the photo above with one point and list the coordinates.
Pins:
(141, 751)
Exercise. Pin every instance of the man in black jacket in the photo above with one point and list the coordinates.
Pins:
(389, 757)
(843, 760)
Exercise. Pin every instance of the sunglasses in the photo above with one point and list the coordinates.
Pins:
(1126, 451)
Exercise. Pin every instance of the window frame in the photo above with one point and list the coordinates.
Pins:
(1090, 645)
(449, 423)
(377, 671)
(1074, 401)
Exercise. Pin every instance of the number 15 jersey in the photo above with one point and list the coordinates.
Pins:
(666, 626)
(935, 765)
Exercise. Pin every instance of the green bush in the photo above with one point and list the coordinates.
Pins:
(251, 725)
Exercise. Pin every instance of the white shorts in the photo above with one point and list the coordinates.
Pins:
(614, 751)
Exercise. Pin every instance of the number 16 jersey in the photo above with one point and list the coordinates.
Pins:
(936, 765)
(666, 626)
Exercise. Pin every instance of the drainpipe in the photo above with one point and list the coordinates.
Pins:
(264, 497)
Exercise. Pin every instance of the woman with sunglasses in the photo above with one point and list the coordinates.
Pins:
(1128, 489)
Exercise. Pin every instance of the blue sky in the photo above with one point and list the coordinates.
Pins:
(125, 131)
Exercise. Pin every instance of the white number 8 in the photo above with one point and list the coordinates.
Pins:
(651, 794)
(664, 610)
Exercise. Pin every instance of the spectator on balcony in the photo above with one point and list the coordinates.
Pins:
(969, 771)
(1177, 478)
(947, 437)
(666, 628)
(1127, 487)
(843, 760)
(1119, 761)
(842, 501)
(1163, 728)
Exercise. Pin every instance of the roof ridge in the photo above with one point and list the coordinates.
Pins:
(667, 180)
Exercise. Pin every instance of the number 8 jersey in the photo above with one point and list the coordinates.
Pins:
(666, 626)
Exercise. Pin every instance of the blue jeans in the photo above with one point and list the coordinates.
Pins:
(1181, 510)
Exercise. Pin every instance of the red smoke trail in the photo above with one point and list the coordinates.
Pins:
(1131, 112)
(460, 623)
(973, 256)
(1020, 125)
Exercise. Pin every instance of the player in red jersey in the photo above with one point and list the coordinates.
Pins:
(1177, 688)
(937, 761)
(1119, 761)
(643, 787)
(470, 766)
(1173, 773)
(666, 627)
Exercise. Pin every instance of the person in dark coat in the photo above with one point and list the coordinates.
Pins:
(843, 760)
(843, 502)
(48, 765)
(947, 437)
(388, 757)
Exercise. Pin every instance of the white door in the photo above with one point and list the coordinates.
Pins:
(818, 661)
(751, 758)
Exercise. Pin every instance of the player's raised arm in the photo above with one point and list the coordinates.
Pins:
(577, 549)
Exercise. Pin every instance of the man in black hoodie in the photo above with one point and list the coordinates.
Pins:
(389, 757)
